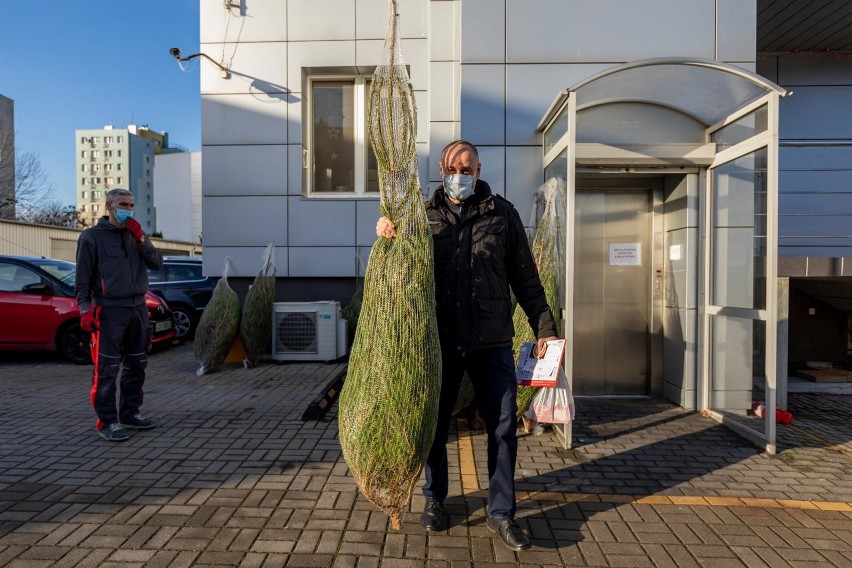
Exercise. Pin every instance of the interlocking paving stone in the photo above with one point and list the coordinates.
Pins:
(232, 477)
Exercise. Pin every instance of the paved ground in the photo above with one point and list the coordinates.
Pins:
(233, 477)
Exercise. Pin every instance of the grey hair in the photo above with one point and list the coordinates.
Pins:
(114, 194)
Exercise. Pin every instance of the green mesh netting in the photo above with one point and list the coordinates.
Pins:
(256, 321)
(218, 326)
(547, 245)
(389, 401)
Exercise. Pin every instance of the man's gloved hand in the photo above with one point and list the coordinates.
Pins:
(88, 322)
(135, 228)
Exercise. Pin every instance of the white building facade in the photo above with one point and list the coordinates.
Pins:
(653, 96)
(177, 195)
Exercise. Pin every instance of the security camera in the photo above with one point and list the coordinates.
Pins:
(175, 52)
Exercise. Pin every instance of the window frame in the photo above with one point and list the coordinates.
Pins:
(360, 83)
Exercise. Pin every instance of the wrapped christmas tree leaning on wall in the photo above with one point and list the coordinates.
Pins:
(389, 401)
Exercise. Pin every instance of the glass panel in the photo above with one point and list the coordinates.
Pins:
(738, 368)
(558, 168)
(753, 123)
(556, 130)
(738, 240)
(333, 141)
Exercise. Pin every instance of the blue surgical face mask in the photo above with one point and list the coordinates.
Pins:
(459, 186)
(123, 215)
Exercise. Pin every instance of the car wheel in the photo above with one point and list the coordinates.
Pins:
(183, 322)
(74, 345)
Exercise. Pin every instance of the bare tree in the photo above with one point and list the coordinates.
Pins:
(56, 214)
(33, 189)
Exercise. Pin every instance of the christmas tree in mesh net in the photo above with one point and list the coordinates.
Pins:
(389, 402)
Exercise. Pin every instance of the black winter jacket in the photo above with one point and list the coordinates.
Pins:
(479, 262)
(111, 267)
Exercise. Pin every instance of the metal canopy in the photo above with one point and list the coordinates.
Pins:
(706, 90)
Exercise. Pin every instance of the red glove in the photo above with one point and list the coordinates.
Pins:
(88, 322)
(135, 228)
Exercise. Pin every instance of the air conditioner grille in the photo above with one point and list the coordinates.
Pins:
(297, 332)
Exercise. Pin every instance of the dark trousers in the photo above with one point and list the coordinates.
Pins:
(122, 335)
(492, 372)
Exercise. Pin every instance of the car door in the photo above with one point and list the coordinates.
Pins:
(25, 319)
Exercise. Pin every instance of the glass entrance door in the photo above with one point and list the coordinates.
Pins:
(739, 309)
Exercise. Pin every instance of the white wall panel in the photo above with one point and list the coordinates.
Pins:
(483, 103)
(368, 53)
(244, 221)
(295, 158)
(321, 222)
(367, 214)
(242, 119)
(443, 31)
(316, 54)
(443, 101)
(245, 261)
(440, 134)
(523, 178)
(736, 32)
(483, 31)
(493, 161)
(258, 69)
(322, 261)
(817, 113)
(264, 20)
(531, 89)
(371, 19)
(245, 170)
(313, 20)
(555, 31)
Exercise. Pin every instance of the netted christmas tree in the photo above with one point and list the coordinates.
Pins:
(549, 219)
(389, 401)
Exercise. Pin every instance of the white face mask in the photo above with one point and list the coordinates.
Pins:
(459, 186)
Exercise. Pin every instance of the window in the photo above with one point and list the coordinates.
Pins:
(13, 278)
(107, 139)
(119, 151)
(119, 139)
(83, 195)
(96, 153)
(107, 153)
(118, 180)
(183, 272)
(107, 167)
(83, 168)
(118, 166)
(83, 154)
(96, 139)
(83, 181)
(110, 181)
(147, 159)
(341, 161)
(83, 140)
(83, 207)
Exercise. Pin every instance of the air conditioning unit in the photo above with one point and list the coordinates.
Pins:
(307, 331)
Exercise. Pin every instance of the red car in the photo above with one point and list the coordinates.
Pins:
(38, 310)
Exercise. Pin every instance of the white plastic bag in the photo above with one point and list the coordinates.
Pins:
(553, 405)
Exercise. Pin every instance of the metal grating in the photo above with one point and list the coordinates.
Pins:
(296, 332)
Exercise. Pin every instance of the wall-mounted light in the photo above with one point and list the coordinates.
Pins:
(175, 52)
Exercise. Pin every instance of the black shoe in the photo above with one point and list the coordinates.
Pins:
(434, 518)
(137, 422)
(510, 533)
(113, 433)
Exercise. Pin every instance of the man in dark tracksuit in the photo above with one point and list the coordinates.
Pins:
(110, 288)
(481, 256)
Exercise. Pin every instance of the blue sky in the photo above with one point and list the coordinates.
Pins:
(75, 65)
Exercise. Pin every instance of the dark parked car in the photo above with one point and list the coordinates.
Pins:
(186, 290)
(38, 310)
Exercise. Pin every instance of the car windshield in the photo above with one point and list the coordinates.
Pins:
(62, 269)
